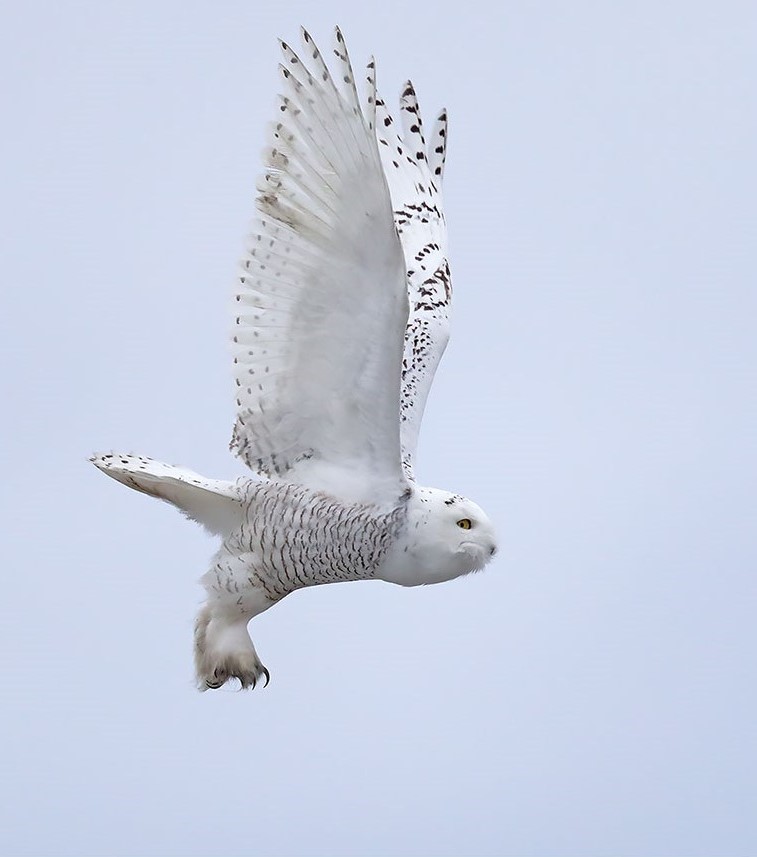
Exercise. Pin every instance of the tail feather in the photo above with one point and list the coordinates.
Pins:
(213, 503)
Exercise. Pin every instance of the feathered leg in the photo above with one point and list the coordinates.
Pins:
(223, 648)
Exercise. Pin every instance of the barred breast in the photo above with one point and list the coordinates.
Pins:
(294, 537)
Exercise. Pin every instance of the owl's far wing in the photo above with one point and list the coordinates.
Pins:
(414, 173)
(322, 304)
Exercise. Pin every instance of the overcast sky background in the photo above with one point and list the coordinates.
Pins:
(593, 692)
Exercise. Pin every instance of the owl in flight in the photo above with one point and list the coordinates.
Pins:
(340, 319)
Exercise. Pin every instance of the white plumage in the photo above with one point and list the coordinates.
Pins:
(341, 317)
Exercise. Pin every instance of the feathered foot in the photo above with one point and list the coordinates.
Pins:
(224, 650)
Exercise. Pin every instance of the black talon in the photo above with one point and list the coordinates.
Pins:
(267, 676)
(219, 680)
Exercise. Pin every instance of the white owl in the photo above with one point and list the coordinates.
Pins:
(341, 317)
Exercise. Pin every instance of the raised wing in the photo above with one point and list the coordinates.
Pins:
(414, 173)
(322, 305)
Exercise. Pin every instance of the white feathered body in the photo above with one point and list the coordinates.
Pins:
(287, 537)
(290, 537)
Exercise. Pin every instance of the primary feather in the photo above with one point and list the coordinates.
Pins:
(322, 302)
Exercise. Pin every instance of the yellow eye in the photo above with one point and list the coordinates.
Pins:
(465, 523)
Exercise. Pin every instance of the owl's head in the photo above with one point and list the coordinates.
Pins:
(446, 536)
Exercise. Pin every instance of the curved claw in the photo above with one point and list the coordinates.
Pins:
(267, 676)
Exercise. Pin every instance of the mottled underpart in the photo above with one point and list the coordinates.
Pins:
(292, 537)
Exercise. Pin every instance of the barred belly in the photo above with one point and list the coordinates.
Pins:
(294, 537)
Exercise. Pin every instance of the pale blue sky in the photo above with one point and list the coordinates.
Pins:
(592, 693)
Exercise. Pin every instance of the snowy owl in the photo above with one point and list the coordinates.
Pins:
(340, 320)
